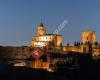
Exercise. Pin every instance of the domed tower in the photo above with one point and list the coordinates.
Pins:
(41, 29)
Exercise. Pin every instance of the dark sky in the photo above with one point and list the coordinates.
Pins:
(19, 19)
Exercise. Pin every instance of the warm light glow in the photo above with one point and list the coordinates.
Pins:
(41, 30)
(88, 36)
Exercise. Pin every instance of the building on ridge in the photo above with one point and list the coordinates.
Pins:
(42, 39)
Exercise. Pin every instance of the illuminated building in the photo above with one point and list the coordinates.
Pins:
(88, 36)
(86, 46)
(42, 39)
(41, 30)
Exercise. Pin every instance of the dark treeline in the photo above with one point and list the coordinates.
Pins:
(88, 69)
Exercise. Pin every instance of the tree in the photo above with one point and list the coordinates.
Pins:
(96, 43)
(75, 43)
(81, 43)
(67, 44)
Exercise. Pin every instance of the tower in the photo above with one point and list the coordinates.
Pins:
(41, 29)
(88, 36)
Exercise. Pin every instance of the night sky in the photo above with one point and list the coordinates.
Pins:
(19, 19)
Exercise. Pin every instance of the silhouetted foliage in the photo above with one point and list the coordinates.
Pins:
(78, 67)
(67, 44)
(96, 43)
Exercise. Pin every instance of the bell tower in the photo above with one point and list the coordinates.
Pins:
(41, 29)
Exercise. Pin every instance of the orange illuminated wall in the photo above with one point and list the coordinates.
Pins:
(58, 40)
(88, 36)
